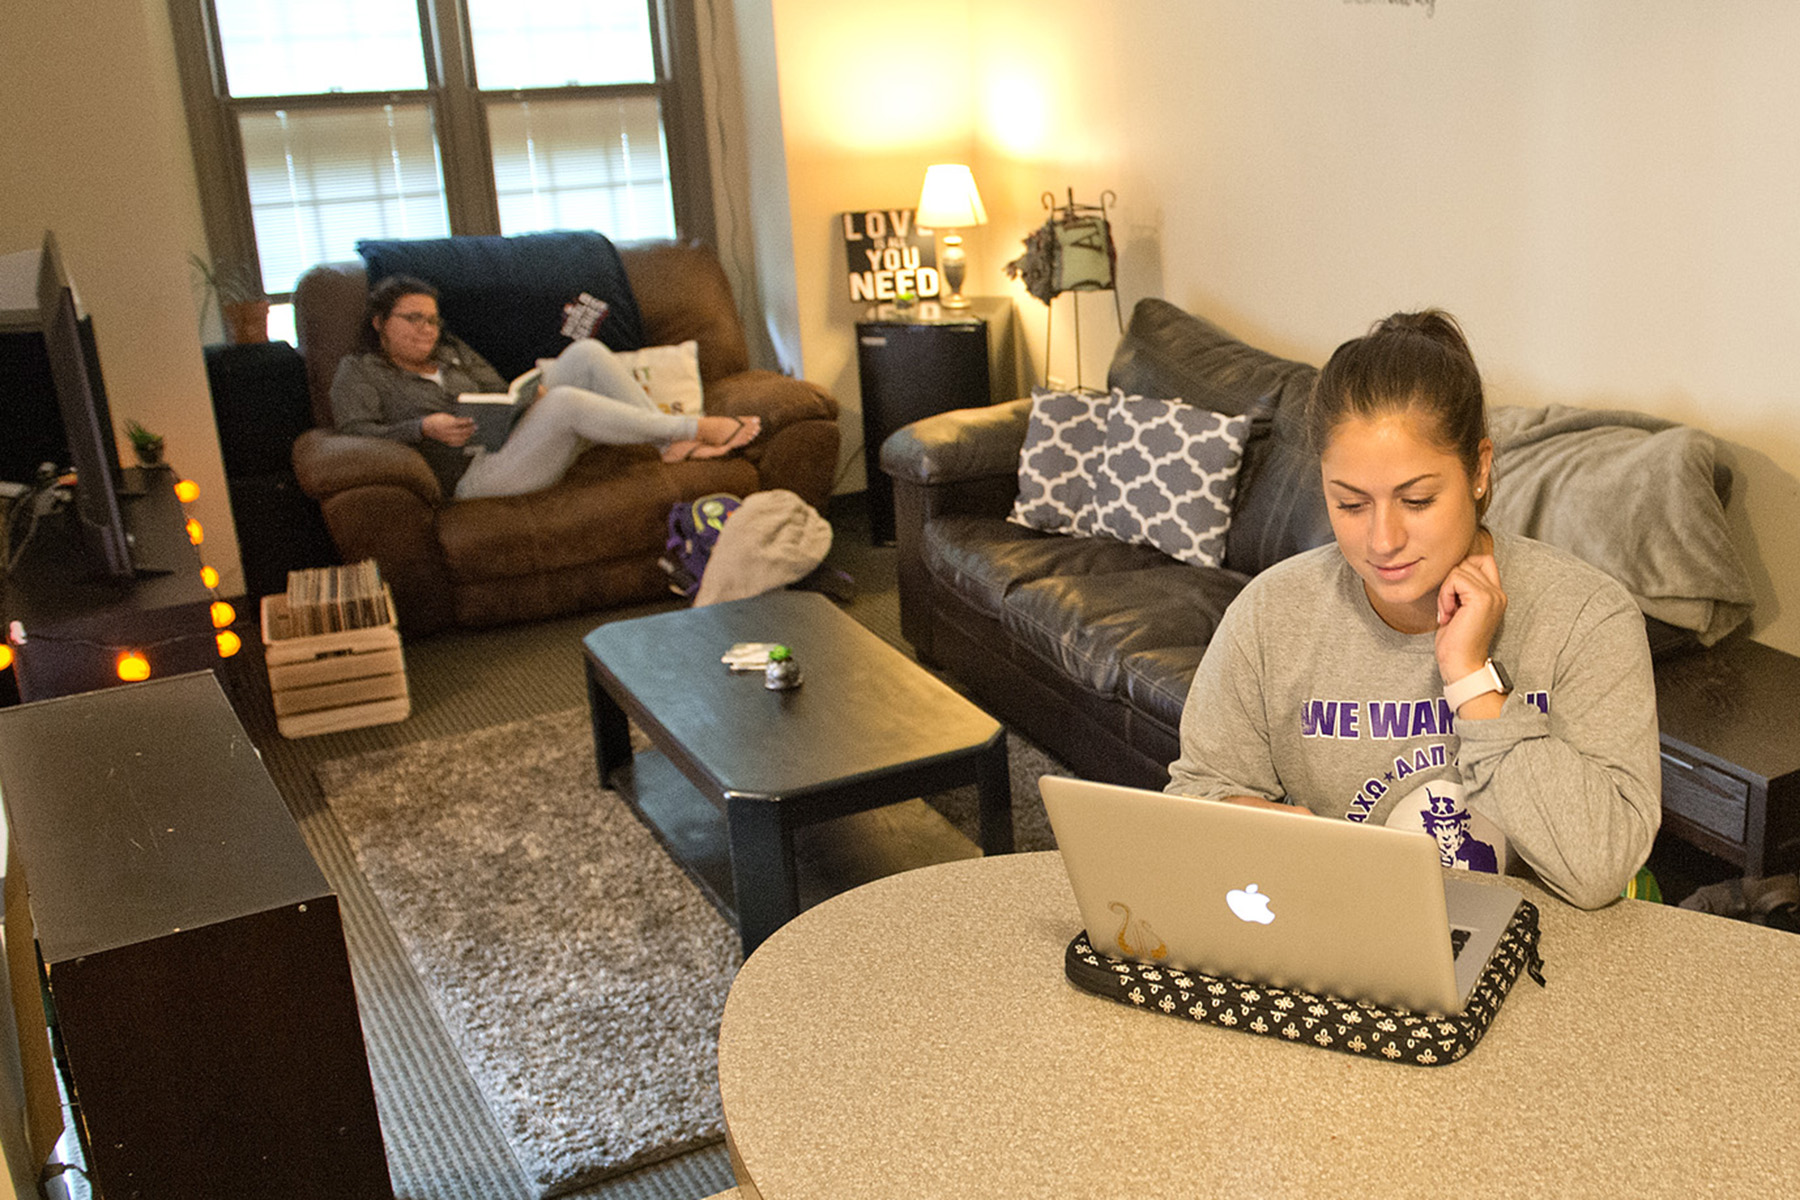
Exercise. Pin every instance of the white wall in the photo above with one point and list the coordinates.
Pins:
(871, 94)
(1606, 193)
(94, 146)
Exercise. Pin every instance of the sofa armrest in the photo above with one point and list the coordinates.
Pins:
(381, 501)
(327, 462)
(957, 446)
(798, 447)
(959, 463)
(780, 400)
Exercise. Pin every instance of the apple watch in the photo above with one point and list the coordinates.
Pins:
(1491, 677)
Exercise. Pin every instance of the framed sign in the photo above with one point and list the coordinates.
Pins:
(889, 256)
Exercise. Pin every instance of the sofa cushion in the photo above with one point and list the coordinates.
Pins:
(1279, 509)
(1170, 354)
(505, 295)
(982, 559)
(1089, 626)
(1166, 476)
(624, 492)
(1064, 440)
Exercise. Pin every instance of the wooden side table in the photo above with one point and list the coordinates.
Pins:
(917, 367)
(1731, 753)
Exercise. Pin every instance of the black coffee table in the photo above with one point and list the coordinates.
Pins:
(867, 728)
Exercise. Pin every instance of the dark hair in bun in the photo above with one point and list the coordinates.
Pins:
(1416, 363)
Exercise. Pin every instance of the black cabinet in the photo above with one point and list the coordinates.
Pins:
(192, 956)
(915, 368)
(1731, 753)
(261, 404)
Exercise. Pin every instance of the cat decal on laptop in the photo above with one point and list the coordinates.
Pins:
(1135, 937)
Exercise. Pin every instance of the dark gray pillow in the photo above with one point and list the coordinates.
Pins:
(1167, 475)
(1063, 441)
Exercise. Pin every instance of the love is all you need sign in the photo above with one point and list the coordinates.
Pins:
(888, 256)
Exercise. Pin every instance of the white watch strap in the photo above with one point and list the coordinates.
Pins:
(1487, 679)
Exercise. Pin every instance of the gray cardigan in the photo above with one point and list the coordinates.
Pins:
(372, 397)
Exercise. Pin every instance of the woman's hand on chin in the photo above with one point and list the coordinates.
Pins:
(1470, 605)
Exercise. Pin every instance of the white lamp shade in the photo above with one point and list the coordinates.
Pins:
(949, 199)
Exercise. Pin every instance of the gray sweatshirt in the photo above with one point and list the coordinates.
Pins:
(1305, 694)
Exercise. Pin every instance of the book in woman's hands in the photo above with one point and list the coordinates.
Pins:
(495, 413)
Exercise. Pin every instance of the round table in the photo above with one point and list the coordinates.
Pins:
(916, 1037)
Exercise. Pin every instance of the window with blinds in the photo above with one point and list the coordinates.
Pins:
(550, 116)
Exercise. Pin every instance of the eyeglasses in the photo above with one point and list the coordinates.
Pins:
(420, 320)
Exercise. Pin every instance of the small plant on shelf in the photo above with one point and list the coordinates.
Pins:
(146, 445)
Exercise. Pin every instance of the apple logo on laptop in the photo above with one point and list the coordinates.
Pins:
(1248, 904)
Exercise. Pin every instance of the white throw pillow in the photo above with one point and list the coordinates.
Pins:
(671, 374)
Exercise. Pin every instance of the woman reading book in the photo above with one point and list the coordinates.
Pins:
(404, 387)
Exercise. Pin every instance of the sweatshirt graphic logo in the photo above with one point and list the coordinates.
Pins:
(1466, 840)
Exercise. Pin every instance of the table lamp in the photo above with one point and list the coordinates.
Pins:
(949, 201)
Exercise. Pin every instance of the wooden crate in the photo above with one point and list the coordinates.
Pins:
(333, 681)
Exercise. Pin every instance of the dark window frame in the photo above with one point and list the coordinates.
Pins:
(459, 116)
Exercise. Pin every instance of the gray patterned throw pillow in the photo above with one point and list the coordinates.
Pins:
(1063, 443)
(1167, 475)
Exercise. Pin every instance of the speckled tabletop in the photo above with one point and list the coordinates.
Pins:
(916, 1038)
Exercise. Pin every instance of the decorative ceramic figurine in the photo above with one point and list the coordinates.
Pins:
(782, 672)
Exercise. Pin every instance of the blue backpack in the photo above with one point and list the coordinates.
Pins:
(693, 531)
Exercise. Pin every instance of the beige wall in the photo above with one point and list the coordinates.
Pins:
(1607, 193)
(94, 146)
(870, 96)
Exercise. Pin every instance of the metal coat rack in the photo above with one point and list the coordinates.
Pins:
(1071, 252)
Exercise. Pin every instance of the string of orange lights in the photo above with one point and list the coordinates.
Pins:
(135, 663)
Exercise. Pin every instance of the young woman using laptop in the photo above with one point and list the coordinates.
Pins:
(1427, 672)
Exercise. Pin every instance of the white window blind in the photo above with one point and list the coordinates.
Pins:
(582, 163)
(321, 179)
(342, 127)
(283, 48)
(553, 43)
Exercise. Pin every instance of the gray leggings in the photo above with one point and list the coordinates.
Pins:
(589, 398)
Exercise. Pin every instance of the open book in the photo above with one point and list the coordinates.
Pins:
(495, 413)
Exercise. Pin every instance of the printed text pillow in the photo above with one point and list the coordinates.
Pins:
(1166, 477)
(670, 374)
(1063, 442)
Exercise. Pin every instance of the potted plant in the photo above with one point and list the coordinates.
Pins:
(146, 445)
(243, 306)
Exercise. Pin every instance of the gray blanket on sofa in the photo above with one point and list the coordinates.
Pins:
(1637, 496)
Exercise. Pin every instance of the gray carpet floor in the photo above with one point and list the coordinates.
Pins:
(442, 1141)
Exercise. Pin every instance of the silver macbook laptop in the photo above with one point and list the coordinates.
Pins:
(1354, 911)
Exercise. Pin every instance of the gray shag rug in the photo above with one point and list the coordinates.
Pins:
(579, 972)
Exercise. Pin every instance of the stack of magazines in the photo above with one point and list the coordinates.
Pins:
(333, 599)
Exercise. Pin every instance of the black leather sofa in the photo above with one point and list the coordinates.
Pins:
(1087, 645)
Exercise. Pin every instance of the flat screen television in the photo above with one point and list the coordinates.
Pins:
(88, 447)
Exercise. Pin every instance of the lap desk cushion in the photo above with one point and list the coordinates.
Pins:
(505, 295)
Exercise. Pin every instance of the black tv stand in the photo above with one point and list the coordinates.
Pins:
(77, 617)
